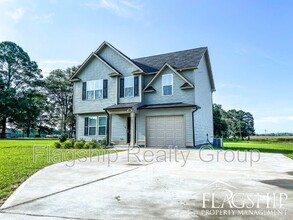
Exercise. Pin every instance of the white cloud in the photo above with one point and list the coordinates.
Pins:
(45, 18)
(124, 8)
(4, 1)
(274, 124)
(274, 119)
(16, 14)
(46, 70)
(48, 65)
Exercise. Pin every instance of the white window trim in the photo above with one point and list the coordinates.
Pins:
(92, 126)
(167, 84)
(95, 81)
(98, 127)
(128, 87)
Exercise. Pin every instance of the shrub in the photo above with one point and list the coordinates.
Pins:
(104, 142)
(94, 141)
(72, 141)
(86, 145)
(82, 140)
(93, 144)
(98, 145)
(66, 145)
(79, 144)
(63, 138)
(90, 144)
(57, 144)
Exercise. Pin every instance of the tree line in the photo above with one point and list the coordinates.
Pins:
(232, 123)
(30, 102)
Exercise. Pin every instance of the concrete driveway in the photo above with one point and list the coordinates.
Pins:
(159, 184)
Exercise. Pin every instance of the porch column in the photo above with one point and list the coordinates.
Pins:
(110, 129)
(132, 131)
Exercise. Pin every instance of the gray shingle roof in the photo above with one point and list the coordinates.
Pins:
(122, 105)
(168, 105)
(178, 60)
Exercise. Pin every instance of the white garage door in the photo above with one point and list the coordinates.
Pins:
(163, 131)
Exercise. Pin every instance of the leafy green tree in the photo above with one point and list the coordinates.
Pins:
(47, 120)
(235, 123)
(240, 123)
(249, 125)
(17, 74)
(60, 93)
(30, 103)
(220, 125)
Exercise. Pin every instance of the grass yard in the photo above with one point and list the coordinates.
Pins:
(17, 164)
(268, 144)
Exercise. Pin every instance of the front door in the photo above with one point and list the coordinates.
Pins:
(128, 129)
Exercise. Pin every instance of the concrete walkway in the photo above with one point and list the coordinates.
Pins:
(158, 184)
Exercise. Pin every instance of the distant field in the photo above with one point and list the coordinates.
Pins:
(272, 138)
(16, 161)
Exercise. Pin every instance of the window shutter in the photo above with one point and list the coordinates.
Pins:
(86, 126)
(84, 91)
(105, 88)
(136, 86)
(121, 87)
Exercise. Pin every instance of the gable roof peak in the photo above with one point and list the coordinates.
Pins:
(119, 52)
(166, 65)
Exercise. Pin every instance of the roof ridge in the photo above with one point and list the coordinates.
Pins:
(169, 53)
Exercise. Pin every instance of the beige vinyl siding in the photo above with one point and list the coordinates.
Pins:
(93, 71)
(203, 117)
(179, 95)
(124, 67)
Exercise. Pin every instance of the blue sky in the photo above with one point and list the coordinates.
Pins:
(250, 42)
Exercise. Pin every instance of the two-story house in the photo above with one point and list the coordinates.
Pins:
(153, 101)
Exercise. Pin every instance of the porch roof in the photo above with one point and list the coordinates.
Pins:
(168, 105)
(122, 105)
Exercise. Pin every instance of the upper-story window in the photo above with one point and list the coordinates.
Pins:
(99, 89)
(90, 90)
(95, 89)
(129, 86)
(167, 84)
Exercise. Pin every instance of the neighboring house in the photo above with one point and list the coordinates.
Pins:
(153, 101)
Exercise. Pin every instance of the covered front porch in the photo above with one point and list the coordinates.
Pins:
(121, 126)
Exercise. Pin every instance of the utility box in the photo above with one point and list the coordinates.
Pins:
(218, 142)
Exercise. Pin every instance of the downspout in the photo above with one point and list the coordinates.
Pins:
(193, 130)
(107, 127)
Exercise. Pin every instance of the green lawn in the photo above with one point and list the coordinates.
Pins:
(269, 146)
(17, 164)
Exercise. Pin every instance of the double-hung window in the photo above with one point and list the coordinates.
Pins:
(99, 89)
(129, 86)
(167, 84)
(102, 125)
(92, 125)
(90, 90)
(94, 89)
